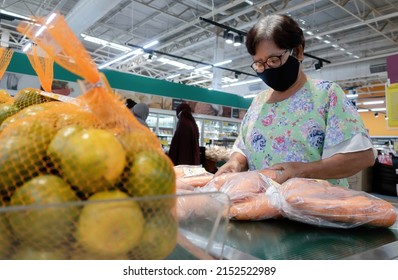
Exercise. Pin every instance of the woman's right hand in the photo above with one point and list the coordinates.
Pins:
(236, 163)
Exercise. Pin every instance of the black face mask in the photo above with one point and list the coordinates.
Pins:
(281, 78)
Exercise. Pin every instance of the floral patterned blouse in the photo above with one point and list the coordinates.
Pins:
(299, 128)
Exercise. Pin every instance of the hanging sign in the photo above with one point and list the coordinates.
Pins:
(392, 105)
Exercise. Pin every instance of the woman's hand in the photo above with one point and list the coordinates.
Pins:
(287, 170)
(236, 163)
(335, 167)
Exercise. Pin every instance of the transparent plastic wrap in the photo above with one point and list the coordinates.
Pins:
(191, 176)
(118, 228)
(320, 203)
(247, 192)
(203, 220)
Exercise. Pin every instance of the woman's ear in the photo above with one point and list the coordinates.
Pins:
(300, 53)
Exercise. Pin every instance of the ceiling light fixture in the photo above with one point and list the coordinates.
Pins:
(105, 43)
(238, 40)
(12, 16)
(230, 38)
(240, 32)
(373, 102)
(222, 62)
(119, 58)
(318, 65)
(377, 109)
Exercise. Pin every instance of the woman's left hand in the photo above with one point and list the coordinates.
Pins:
(287, 170)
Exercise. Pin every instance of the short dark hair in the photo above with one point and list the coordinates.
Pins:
(130, 103)
(281, 29)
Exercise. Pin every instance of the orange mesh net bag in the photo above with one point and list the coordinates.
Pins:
(81, 179)
(42, 63)
(5, 58)
(5, 98)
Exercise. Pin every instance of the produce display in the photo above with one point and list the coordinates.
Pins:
(81, 180)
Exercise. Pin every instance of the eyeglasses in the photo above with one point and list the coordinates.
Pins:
(271, 62)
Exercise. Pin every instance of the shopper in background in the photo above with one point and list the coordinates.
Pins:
(130, 103)
(300, 126)
(184, 147)
(141, 112)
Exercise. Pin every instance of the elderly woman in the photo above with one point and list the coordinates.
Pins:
(300, 126)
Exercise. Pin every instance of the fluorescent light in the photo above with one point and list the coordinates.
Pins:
(124, 56)
(242, 83)
(173, 76)
(222, 62)
(249, 95)
(15, 15)
(27, 47)
(151, 44)
(335, 46)
(377, 109)
(249, 2)
(363, 110)
(319, 37)
(41, 29)
(309, 32)
(176, 63)
(351, 96)
(373, 102)
(201, 69)
(105, 43)
(51, 18)
(342, 49)
(326, 41)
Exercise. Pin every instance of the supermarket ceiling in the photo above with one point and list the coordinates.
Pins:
(356, 36)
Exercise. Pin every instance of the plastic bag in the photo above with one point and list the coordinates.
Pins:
(320, 203)
(191, 176)
(247, 192)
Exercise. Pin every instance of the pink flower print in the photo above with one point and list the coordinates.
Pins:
(333, 99)
(267, 120)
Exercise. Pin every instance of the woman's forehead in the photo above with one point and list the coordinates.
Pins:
(266, 48)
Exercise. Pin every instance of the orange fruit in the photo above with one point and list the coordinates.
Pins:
(43, 227)
(5, 97)
(5, 238)
(29, 96)
(110, 225)
(151, 173)
(29, 253)
(6, 111)
(23, 146)
(92, 160)
(159, 238)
